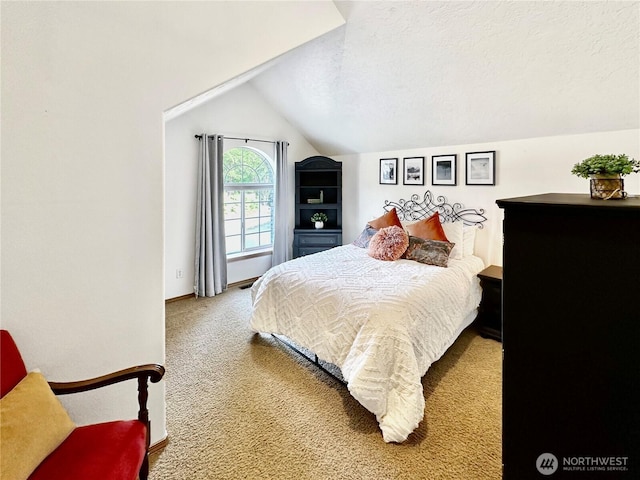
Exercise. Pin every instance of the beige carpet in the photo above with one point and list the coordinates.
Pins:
(242, 406)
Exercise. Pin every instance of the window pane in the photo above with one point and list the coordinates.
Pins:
(257, 167)
(233, 174)
(232, 166)
(232, 196)
(251, 225)
(265, 224)
(232, 227)
(232, 204)
(251, 196)
(233, 244)
(265, 239)
(266, 195)
(244, 165)
(252, 241)
(265, 209)
(251, 209)
(232, 211)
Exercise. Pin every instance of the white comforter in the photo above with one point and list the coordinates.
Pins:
(383, 323)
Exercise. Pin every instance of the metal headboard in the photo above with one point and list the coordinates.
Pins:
(416, 209)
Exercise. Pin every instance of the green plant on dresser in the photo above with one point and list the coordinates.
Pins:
(605, 174)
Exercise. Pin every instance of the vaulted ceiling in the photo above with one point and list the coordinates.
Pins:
(413, 74)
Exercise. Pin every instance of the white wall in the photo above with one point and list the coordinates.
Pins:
(84, 85)
(242, 112)
(523, 167)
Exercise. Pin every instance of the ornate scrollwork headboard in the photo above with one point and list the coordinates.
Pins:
(417, 209)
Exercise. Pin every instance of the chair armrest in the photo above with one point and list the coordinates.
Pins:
(153, 372)
(143, 373)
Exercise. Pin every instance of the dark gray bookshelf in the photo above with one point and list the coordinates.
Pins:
(318, 180)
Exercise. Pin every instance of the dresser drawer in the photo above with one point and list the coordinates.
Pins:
(307, 241)
(319, 239)
(302, 251)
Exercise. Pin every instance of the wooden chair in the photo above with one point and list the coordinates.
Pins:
(111, 450)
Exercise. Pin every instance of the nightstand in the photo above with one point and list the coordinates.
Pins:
(489, 320)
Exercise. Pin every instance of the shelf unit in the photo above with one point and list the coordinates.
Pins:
(318, 179)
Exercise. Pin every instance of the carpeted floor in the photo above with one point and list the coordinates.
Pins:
(242, 406)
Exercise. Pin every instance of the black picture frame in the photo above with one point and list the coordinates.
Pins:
(480, 168)
(388, 171)
(444, 169)
(413, 171)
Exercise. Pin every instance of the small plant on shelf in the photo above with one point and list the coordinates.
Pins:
(606, 165)
(319, 217)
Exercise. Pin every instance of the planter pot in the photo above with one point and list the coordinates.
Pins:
(607, 187)
(319, 224)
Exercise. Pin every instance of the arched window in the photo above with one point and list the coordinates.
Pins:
(248, 200)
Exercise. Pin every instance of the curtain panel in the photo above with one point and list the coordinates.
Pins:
(210, 249)
(282, 236)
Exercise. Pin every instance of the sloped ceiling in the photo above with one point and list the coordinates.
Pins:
(416, 74)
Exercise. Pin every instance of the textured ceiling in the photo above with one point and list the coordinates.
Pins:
(415, 74)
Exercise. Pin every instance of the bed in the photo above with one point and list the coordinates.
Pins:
(382, 323)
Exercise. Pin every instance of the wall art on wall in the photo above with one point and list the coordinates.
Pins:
(413, 168)
(481, 168)
(444, 169)
(389, 171)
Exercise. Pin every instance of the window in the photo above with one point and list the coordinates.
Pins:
(248, 200)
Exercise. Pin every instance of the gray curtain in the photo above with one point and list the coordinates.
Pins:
(282, 235)
(211, 257)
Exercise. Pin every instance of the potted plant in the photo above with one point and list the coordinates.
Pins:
(318, 219)
(605, 173)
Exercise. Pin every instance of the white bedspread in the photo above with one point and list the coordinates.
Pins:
(383, 323)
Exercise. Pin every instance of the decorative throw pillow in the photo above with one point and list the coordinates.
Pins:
(387, 220)
(428, 229)
(431, 252)
(33, 423)
(453, 232)
(365, 237)
(389, 243)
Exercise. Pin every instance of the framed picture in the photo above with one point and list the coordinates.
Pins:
(413, 168)
(389, 171)
(444, 169)
(481, 168)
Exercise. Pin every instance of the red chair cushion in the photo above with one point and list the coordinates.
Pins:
(105, 451)
(12, 368)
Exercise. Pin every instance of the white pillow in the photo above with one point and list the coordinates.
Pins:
(454, 233)
(469, 240)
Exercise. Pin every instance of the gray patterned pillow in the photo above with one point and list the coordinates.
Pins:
(365, 237)
(431, 252)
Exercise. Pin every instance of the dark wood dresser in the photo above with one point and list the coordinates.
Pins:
(571, 337)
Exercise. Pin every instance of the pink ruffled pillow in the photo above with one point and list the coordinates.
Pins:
(389, 243)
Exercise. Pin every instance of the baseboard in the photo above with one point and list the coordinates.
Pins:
(182, 297)
(242, 284)
(159, 445)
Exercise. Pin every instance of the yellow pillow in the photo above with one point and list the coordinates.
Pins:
(33, 423)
